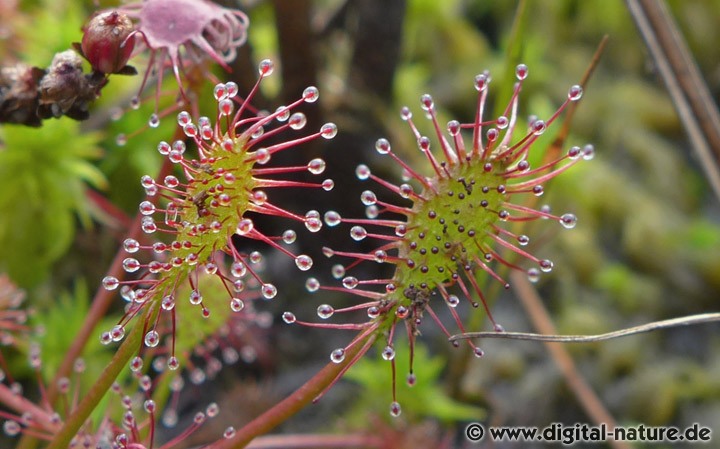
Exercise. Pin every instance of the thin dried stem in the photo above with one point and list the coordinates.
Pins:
(691, 96)
(649, 327)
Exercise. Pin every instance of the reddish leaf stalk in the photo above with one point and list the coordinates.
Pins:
(301, 398)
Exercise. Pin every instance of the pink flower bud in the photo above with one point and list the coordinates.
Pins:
(105, 42)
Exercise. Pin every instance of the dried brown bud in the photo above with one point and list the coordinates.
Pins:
(105, 42)
(63, 84)
(19, 94)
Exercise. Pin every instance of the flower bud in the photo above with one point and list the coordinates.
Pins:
(105, 42)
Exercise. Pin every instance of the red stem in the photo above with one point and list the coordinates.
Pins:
(302, 397)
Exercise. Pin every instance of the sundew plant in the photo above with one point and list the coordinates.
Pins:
(320, 223)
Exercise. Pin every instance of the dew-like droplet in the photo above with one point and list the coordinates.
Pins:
(328, 130)
(121, 140)
(282, 113)
(382, 146)
(238, 285)
(136, 364)
(492, 135)
(373, 312)
(538, 127)
(402, 312)
(332, 218)
(152, 338)
(358, 233)
(546, 265)
(289, 317)
(130, 265)
(212, 410)
(232, 89)
(297, 121)
(236, 304)
(303, 262)
(148, 225)
(327, 185)
(362, 172)
(388, 353)
(11, 428)
(368, 197)
(173, 363)
(380, 256)
(411, 380)
(395, 409)
(574, 152)
(147, 208)
(245, 226)
(226, 107)
(183, 118)
(154, 121)
(424, 143)
(452, 300)
(175, 156)
(313, 223)
(350, 282)
(171, 181)
(163, 148)
(229, 433)
(312, 285)
(477, 352)
(523, 239)
(481, 82)
(265, 68)
(220, 92)
(289, 236)
(195, 297)
(179, 146)
(575, 93)
(268, 291)
(311, 94)
(190, 130)
(568, 221)
(135, 102)
(521, 71)
(316, 166)
(337, 355)
(533, 275)
(168, 302)
(338, 271)
(257, 132)
(110, 283)
(238, 269)
(259, 197)
(588, 152)
(325, 311)
(262, 156)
